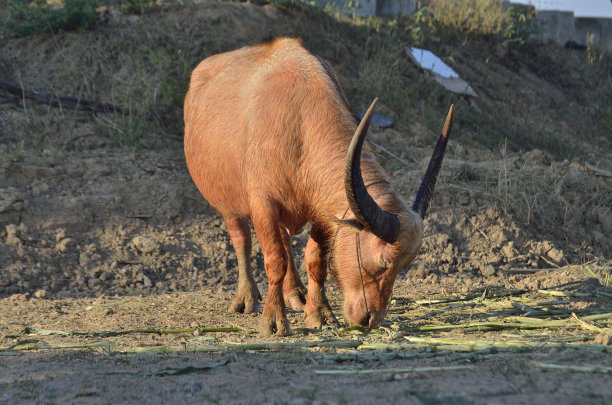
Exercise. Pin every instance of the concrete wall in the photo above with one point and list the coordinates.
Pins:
(385, 8)
(357, 7)
(600, 29)
(555, 25)
(562, 27)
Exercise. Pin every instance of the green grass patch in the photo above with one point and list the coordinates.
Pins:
(601, 271)
(31, 17)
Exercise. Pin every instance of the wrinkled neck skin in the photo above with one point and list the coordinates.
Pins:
(365, 266)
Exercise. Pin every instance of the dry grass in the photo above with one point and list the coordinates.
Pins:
(143, 64)
(470, 17)
(412, 326)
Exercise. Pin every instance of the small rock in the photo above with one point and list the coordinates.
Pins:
(536, 156)
(60, 234)
(18, 206)
(597, 236)
(40, 294)
(421, 271)
(487, 270)
(604, 339)
(555, 254)
(577, 170)
(498, 237)
(146, 281)
(132, 19)
(464, 198)
(223, 265)
(508, 251)
(96, 171)
(377, 120)
(145, 245)
(40, 189)
(12, 235)
(93, 283)
(66, 244)
(11, 199)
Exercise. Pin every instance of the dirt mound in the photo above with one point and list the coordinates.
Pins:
(123, 224)
(81, 216)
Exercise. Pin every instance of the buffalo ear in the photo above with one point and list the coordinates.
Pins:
(352, 224)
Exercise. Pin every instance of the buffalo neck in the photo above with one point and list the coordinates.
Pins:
(329, 194)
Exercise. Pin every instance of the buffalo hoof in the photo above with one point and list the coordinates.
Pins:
(296, 298)
(275, 323)
(322, 315)
(245, 303)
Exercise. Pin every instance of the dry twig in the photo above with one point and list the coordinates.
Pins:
(57, 100)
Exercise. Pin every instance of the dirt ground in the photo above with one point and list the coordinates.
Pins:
(96, 240)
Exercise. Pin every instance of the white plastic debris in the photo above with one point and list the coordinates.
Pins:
(427, 60)
(441, 72)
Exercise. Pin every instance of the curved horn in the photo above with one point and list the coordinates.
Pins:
(368, 213)
(421, 202)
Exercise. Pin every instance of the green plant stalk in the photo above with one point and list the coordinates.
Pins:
(588, 326)
(471, 344)
(596, 294)
(517, 323)
(545, 338)
(570, 367)
(468, 345)
(564, 311)
(485, 295)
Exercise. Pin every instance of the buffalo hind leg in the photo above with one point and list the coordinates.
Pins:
(317, 310)
(248, 296)
(265, 217)
(293, 289)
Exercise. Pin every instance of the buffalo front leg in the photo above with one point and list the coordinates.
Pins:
(293, 289)
(248, 296)
(265, 219)
(317, 310)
